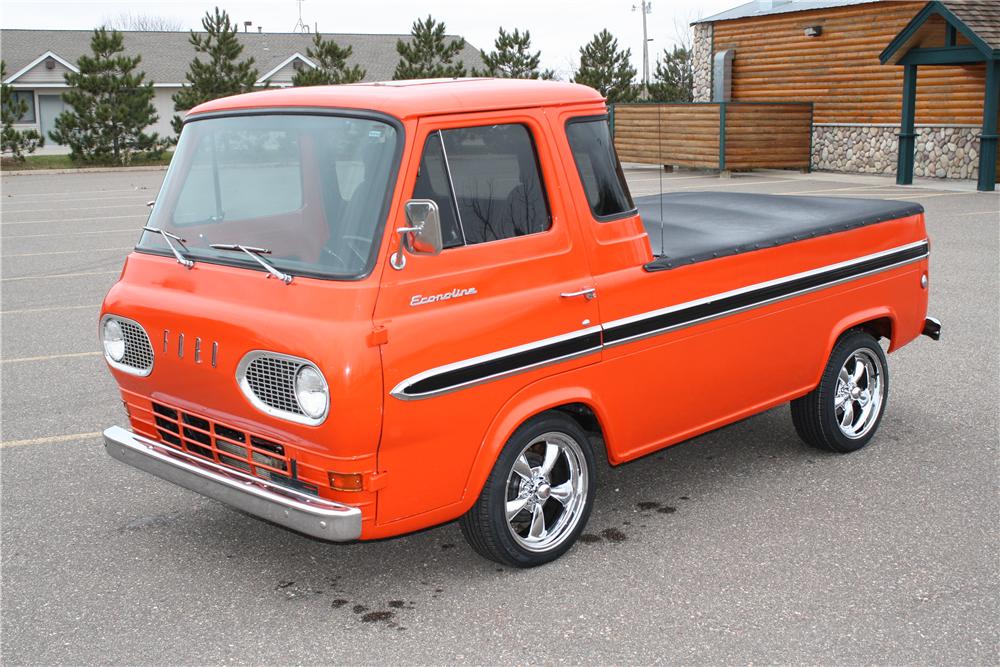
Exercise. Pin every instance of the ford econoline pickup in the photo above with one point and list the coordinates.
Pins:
(360, 311)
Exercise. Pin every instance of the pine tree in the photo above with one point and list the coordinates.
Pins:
(673, 77)
(110, 105)
(223, 74)
(15, 142)
(513, 58)
(331, 65)
(428, 55)
(604, 67)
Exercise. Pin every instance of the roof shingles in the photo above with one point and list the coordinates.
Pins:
(166, 55)
(981, 16)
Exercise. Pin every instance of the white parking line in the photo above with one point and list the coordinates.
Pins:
(731, 184)
(49, 357)
(48, 309)
(73, 208)
(668, 179)
(994, 213)
(860, 189)
(51, 220)
(65, 252)
(131, 230)
(47, 195)
(15, 199)
(63, 275)
(50, 440)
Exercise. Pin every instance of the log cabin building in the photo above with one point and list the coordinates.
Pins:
(873, 70)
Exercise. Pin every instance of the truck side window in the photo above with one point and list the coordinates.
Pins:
(599, 168)
(433, 183)
(498, 186)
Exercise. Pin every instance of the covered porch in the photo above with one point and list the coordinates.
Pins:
(950, 32)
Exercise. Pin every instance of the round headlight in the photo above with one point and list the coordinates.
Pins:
(311, 392)
(114, 340)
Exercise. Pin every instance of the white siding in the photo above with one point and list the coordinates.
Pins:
(283, 77)
(39, 74)
(165, 110)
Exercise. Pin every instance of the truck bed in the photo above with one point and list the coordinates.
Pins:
(704, 225)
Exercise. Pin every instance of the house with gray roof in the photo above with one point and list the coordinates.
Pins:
(37, 61)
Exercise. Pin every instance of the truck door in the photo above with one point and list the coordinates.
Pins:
(506, 302)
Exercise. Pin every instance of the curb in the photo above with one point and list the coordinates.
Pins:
(83, 170)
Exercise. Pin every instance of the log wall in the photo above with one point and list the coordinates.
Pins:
(681, 134)
(752, 136)
(839, 71)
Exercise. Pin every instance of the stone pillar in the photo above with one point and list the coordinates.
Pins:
(701, 61)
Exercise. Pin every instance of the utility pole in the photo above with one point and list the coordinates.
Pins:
(645, 7)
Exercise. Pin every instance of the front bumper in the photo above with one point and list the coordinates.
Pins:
(300, 512)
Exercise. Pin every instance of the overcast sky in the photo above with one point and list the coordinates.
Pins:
(558, 27)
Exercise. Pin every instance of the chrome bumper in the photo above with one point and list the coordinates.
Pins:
(301, 512)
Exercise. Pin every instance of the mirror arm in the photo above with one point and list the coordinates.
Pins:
(398, 258)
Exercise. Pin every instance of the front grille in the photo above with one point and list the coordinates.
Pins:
(227, 446)
(272, 380)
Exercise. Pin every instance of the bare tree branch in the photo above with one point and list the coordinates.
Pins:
(143, 22)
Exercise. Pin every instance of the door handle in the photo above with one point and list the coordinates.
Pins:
(587, 293)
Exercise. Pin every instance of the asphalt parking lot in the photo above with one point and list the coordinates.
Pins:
(742, 546)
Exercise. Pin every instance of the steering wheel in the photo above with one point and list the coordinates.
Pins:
(330, 253)
(358, 245)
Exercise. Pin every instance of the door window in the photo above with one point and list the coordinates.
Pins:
(486, 182)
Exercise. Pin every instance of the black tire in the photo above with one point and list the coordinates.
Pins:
(486, 526)
(818, 416)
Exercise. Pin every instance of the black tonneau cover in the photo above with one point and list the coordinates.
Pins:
(704, 225)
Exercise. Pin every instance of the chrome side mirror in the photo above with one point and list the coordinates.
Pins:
(423, 235)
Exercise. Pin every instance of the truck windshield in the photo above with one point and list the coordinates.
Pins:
(312, 189)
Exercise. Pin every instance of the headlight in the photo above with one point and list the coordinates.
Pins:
(311, 392)
(114, 340)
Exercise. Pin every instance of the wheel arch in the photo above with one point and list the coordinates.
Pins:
(578, 403)
(879, 321)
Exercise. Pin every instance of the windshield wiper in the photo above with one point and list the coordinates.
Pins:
(256, 254)
(181, 259)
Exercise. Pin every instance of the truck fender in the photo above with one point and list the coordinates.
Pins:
(522, 406)
(851, 321)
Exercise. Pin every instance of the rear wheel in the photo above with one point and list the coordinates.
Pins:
(538, 497)
(844, 411)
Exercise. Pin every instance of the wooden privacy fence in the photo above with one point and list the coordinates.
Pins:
(715, 135)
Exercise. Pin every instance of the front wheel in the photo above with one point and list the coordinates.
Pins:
(538, 497)
(846, 408)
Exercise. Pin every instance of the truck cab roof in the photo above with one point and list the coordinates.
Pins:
(413, 98)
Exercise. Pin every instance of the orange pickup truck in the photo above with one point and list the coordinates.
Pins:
(359, 311)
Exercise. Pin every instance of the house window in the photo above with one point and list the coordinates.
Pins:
(28, 96)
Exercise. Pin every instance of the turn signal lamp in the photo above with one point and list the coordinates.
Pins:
(345, 481)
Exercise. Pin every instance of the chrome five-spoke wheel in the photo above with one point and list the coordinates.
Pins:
(843, 412)
(538, 497)
(858, 397)
(546, 491)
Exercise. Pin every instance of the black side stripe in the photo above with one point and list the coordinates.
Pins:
(501, 364)
(505, 365)
(757, 297)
